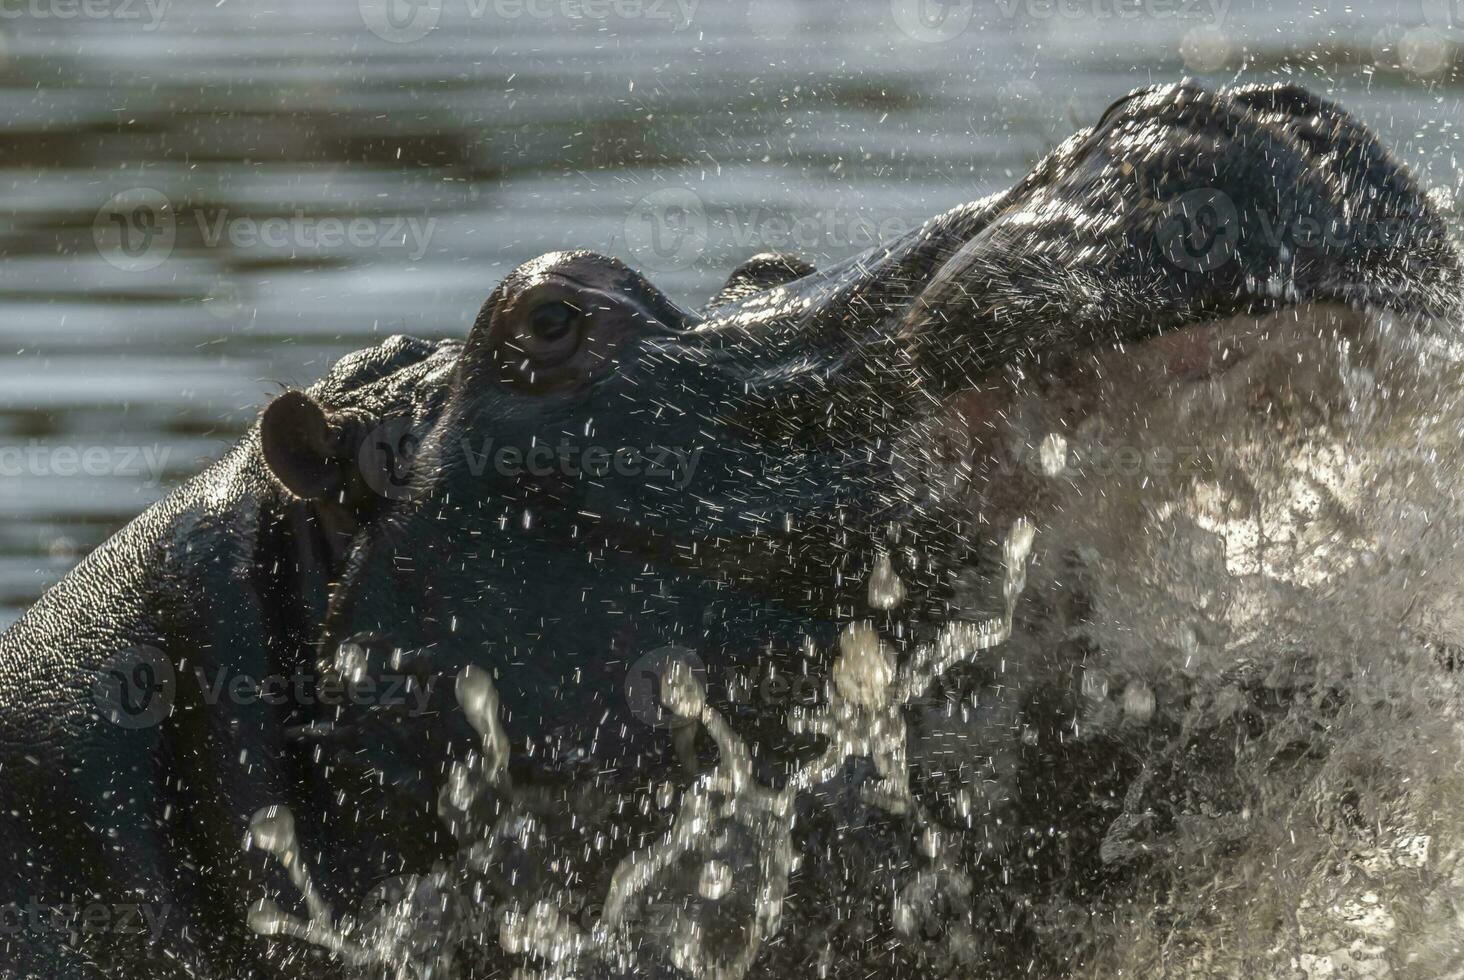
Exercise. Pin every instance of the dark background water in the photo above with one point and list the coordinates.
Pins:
(204, 201)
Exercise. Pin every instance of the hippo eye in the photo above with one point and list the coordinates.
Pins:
(552, 322)
(549, 331)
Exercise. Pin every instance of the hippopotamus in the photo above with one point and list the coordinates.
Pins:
(597, 480)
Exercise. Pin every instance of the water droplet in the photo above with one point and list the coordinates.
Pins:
(965, 805)
(513, 932)
(272, 829)
(904, 918)
(716, 880)
(1138, 702)
(864, 669)
(886, 591)
(1019, 542)
(460, 788)
(1054, 454)
(350, 662)
(266, 918)
(479, 700)
(681, 692)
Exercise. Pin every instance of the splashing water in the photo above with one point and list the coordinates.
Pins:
(1248, 766)
(1053, 453)
(674, 891)
(886, 591)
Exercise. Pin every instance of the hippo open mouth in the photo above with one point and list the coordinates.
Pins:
(602, 515)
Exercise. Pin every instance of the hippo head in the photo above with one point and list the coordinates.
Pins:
(597, 483)
(621, 593)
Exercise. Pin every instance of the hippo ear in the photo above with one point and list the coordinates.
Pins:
(762, 271)
(304, 447)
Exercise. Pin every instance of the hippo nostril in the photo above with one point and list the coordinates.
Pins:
(552, 321)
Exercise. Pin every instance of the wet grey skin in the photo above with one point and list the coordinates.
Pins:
(756, 480)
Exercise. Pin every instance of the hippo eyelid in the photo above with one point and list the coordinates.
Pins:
(656, 312)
